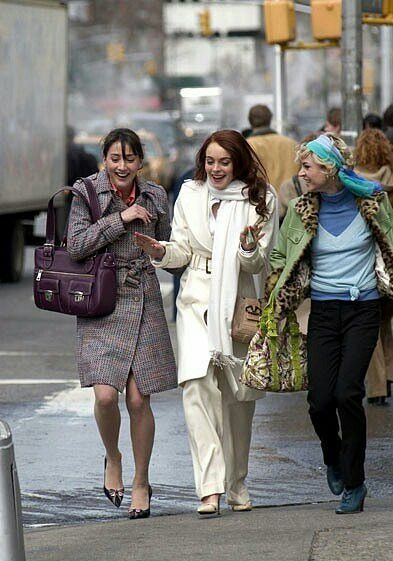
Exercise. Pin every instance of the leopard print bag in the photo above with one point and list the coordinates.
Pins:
(276, 360)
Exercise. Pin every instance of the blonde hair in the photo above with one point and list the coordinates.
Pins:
(303, 152)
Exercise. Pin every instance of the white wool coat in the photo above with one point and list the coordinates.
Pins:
(191, 237)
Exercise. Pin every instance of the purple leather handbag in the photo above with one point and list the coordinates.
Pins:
(84, 288)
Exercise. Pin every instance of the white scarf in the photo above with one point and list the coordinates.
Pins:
(231, 220)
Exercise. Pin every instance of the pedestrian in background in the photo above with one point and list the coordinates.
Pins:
(275, 151)
(129, 349)
(333, 121)
(374, 160)
(79, 163)
(328, 245)
(387, 123)
(293, 187)
(372, 121)
(225, 223)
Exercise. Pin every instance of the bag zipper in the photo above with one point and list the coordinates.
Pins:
(40, 271)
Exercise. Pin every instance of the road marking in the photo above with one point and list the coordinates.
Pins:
(27, 381)
(32, 353)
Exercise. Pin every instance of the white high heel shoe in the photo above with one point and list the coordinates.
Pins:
(211, 509)
(242, 508)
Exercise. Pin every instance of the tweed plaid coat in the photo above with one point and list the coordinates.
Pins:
(134, 338)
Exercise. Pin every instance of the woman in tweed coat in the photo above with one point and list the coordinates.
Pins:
(129, 349)
(225, 224)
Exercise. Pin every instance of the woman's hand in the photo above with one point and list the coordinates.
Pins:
(250, 237)
(152, 247)
(135, 212)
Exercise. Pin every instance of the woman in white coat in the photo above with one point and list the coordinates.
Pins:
(225, 224)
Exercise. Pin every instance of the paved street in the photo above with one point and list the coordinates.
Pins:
(60, 458)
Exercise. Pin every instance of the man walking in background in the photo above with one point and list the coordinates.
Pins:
(276, 151)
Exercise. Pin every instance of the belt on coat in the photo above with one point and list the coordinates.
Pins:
(136, 267)
(200, 262)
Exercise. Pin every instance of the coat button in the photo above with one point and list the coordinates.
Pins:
(136, 298)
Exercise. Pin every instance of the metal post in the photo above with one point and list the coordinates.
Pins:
(386, 66)
(280, 100)
(351, 81)
(12, 546)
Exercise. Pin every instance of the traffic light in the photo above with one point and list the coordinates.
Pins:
(326, 19)
(387, 7)
(205, 23)
(280, 22)
(115, 52)
(380, 7)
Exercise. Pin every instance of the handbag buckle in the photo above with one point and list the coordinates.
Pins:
(207, 266)
(48, 295)
(79, 296)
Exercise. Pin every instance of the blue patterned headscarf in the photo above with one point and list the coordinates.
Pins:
(359, 186)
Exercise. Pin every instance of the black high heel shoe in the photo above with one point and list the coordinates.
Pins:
(114, 495)
(135, 513)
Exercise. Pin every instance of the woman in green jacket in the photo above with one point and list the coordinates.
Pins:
(336, 245)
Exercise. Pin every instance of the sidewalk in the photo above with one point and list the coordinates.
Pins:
(292, 533)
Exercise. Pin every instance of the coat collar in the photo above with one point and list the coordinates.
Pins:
(144, 189)
(307, 207)
(197, 194)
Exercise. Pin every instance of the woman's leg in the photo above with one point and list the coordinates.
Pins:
(376, 374)
(324, 357)
(107, 415)
(202, 403)
(237, 422)
(360, 328)
(142, 429)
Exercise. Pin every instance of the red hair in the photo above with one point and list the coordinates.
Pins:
(247, 167)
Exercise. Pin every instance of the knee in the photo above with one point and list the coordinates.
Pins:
(137, 405)
(319, 404)
(349, 397)
(105, 398)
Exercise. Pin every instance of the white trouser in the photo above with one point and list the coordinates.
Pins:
(219, 431)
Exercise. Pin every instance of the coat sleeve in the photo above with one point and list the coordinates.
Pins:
(278, 256)
(258, 261)
(163, 226)
(85, 238)
(178, 250)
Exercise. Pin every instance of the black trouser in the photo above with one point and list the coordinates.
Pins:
(341, 340)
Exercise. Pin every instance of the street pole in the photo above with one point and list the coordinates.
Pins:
(12, 546)
(280, 109)
(351, 80)
(386, 66)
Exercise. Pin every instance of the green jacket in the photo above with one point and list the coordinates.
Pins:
(291, 261)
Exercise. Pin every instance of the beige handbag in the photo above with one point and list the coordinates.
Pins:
(247, 313)
(245, 319)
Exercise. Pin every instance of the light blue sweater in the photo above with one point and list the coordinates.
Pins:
(343, 252)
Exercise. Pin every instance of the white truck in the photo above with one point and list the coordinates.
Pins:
(33, 78)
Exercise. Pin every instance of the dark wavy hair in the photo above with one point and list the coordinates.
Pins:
(247, 167)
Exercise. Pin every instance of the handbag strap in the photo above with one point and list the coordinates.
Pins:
(91, 201)
(295, 337)
(269, 327)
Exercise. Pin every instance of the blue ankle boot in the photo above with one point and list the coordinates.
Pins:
(335, 479)
(352, 500)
